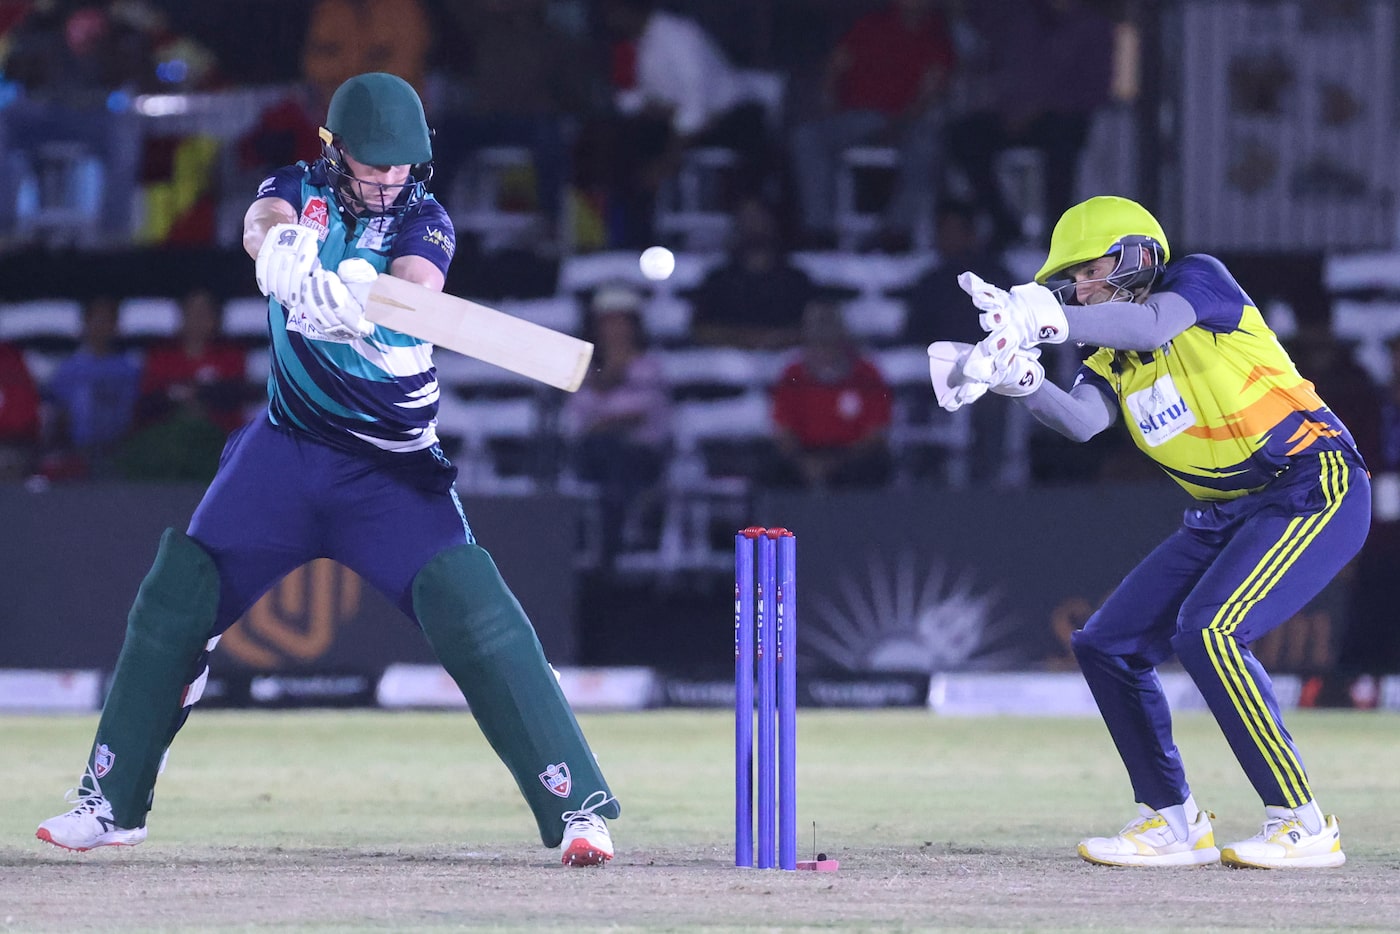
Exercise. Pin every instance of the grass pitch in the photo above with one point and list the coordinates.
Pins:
(372, 821)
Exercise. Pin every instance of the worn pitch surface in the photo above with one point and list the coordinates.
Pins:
(331, 821)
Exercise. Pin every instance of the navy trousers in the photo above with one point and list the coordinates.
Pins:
(1230, 574)
(279, 500)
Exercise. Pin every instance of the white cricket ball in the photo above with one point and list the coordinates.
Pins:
(657, 263)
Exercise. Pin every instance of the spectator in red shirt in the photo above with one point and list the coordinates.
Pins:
(19, 414)
(831, 410)
(199, 372)
(886, 83)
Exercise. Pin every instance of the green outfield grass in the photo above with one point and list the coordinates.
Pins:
(329, 821)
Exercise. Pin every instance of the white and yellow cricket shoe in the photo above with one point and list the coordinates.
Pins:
(1285, 843)
(1150, 841)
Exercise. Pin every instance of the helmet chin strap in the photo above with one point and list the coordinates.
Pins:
(348, 186)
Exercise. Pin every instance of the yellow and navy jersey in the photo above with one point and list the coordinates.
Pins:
(378, 394)
(1220, 407)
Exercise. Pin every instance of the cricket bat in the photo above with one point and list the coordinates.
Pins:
(495, 337)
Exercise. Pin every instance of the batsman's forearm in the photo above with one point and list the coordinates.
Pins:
(262, 215)
(1078, 415)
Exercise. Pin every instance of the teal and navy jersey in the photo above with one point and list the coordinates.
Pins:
(1220, 407)
(375, 395)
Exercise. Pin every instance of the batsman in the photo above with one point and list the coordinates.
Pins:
(1281, 501)
(344, 464)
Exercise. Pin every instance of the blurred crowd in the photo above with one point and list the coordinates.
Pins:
(609, 100)
(115, 408)
(569, 126)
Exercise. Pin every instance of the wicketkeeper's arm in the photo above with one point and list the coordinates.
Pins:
(1129, 325)
(1079, 414)
(1029, 314)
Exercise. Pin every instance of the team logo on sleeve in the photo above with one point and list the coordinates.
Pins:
(103, 760)
(556, 779)
(315, 215)
(442, 241)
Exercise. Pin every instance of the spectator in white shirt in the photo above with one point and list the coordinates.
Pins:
(674, 89)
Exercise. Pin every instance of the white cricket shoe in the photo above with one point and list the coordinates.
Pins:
(586, 838)
(1284, 843)
(88, 825)
(1149, 841)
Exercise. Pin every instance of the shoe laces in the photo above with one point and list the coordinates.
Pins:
(1274, 826)
(584, 815)
(87, 798)
(1142, 823)
(85, 802)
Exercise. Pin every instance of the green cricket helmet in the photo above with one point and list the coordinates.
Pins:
(1105, 226)
(378, 119)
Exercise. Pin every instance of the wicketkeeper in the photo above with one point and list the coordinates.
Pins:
(346, 465)
(1282, 502)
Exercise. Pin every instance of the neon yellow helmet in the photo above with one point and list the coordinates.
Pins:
(1108, 225)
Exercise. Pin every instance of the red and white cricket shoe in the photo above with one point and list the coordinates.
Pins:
(90, 824)
(586, 838)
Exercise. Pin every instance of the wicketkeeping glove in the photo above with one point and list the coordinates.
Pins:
(951, 387)
(1021, 375)
(330, 305)
(1030, 313)
(287, 256)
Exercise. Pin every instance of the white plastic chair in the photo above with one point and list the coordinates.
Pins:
(852, 223)
(917, 426)
(475, 200)
(479, 422)
(471, 377)
(556, 312)
(727, 371)
(695, 496)
(44, 319)
(245, 318)
(874, 318)
(688, 206)
(146, 318)
(666, 319)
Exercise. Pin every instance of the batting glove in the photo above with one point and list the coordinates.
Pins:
(288, 254)
(331, 309)
(358, 276)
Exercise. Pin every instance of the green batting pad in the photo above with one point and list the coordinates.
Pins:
(165, 632)
(486, 643)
